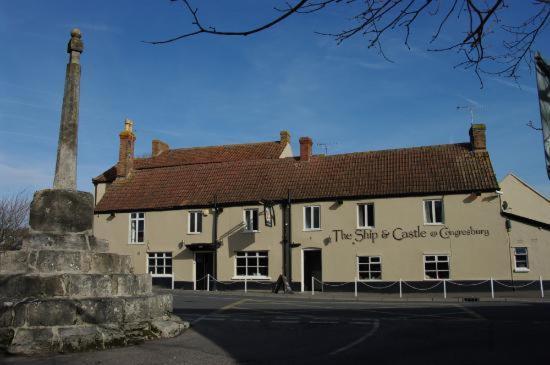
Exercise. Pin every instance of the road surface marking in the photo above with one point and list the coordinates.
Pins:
(245, 320)
(217, 312)
(360, 322)
(375, 326)
(323, 322)
(471, 312)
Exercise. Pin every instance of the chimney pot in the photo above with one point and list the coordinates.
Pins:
(126, 150)
(477, 137)
(285, 137)
(305, 148)
(159, 147)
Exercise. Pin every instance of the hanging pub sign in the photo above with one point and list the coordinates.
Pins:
(400, 234)
(269, 215)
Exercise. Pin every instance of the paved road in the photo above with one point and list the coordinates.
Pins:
(229, 329)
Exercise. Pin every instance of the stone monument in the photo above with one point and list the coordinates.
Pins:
(63, 291)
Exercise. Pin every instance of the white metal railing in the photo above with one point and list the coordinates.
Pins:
(369, 283)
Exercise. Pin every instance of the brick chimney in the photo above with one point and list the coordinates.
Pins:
(477, 137)
(159, 147)
(285, 137)
(126, 152)
(305, 148)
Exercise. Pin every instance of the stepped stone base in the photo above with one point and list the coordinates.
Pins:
(64, 292)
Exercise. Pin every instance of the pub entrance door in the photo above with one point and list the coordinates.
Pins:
(313, 268)
(204, 265)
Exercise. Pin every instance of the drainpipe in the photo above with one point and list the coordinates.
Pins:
(287, 239)
(215, 238)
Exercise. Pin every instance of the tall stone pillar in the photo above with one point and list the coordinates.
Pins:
(65, 168)
(63, 291)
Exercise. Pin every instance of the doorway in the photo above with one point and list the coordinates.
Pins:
(312, 268)
(204, 265)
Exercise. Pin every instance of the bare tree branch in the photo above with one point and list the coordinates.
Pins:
(486, 45)
(14, 211)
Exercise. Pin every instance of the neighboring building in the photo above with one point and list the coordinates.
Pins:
(253, 211)
(528, 222)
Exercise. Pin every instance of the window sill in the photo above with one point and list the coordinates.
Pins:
(369, 228)
(245, 231)
(369, 280)
(251, 278)
(434, 224)
(521, 269)
(312, 230)
(194, 233)
(136, 243)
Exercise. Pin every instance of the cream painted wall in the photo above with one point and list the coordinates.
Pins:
(522, 200)
(471, 257)
(537, 241)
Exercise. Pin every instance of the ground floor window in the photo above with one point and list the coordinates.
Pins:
(521, 259)
(251, 264)
(369, 267)
(159, 263)
(436, 266)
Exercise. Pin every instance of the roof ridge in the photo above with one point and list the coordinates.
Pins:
(221, 145)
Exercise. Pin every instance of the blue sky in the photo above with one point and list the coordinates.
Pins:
(208, 90)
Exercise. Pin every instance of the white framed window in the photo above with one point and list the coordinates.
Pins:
(159, 264)
(521, 259)
(137, 227)
(365, 215)
(194, 225)
(312, 218)
(369, 267)
(436, 267)
(251, 264)
(251, 220)
(433, 211)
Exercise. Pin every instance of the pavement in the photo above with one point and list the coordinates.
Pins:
(262, 328)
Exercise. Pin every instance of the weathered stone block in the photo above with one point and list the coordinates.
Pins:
(56, 210)
(13, 261)
(136, 309)
(6, 337)
(67, 261)
(6, 314)
(80, 338)
(29, 341)
(104, 310)
(168, 327)
(51, 313)
(56, 241)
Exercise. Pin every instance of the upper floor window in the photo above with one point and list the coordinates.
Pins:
(521, 259)
(195, 222)
(251, 220)
(365, 215)
(312, 218)
(137, 227)
(433, 211)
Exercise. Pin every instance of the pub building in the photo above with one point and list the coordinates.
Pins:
(252, 212)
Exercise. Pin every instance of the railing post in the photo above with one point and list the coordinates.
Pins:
(445, 288)
(355, 287)
(245, 285)
(172, 282)
(541, 287)
(312, 285)
(492, 289)
(207, 282)
(400, 288)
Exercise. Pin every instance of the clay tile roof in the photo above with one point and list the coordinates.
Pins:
(200, 155)
(441, 169)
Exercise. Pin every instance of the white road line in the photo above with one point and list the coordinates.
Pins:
(471, 312)
(323, 322)
(373, 330)
(228, 306)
